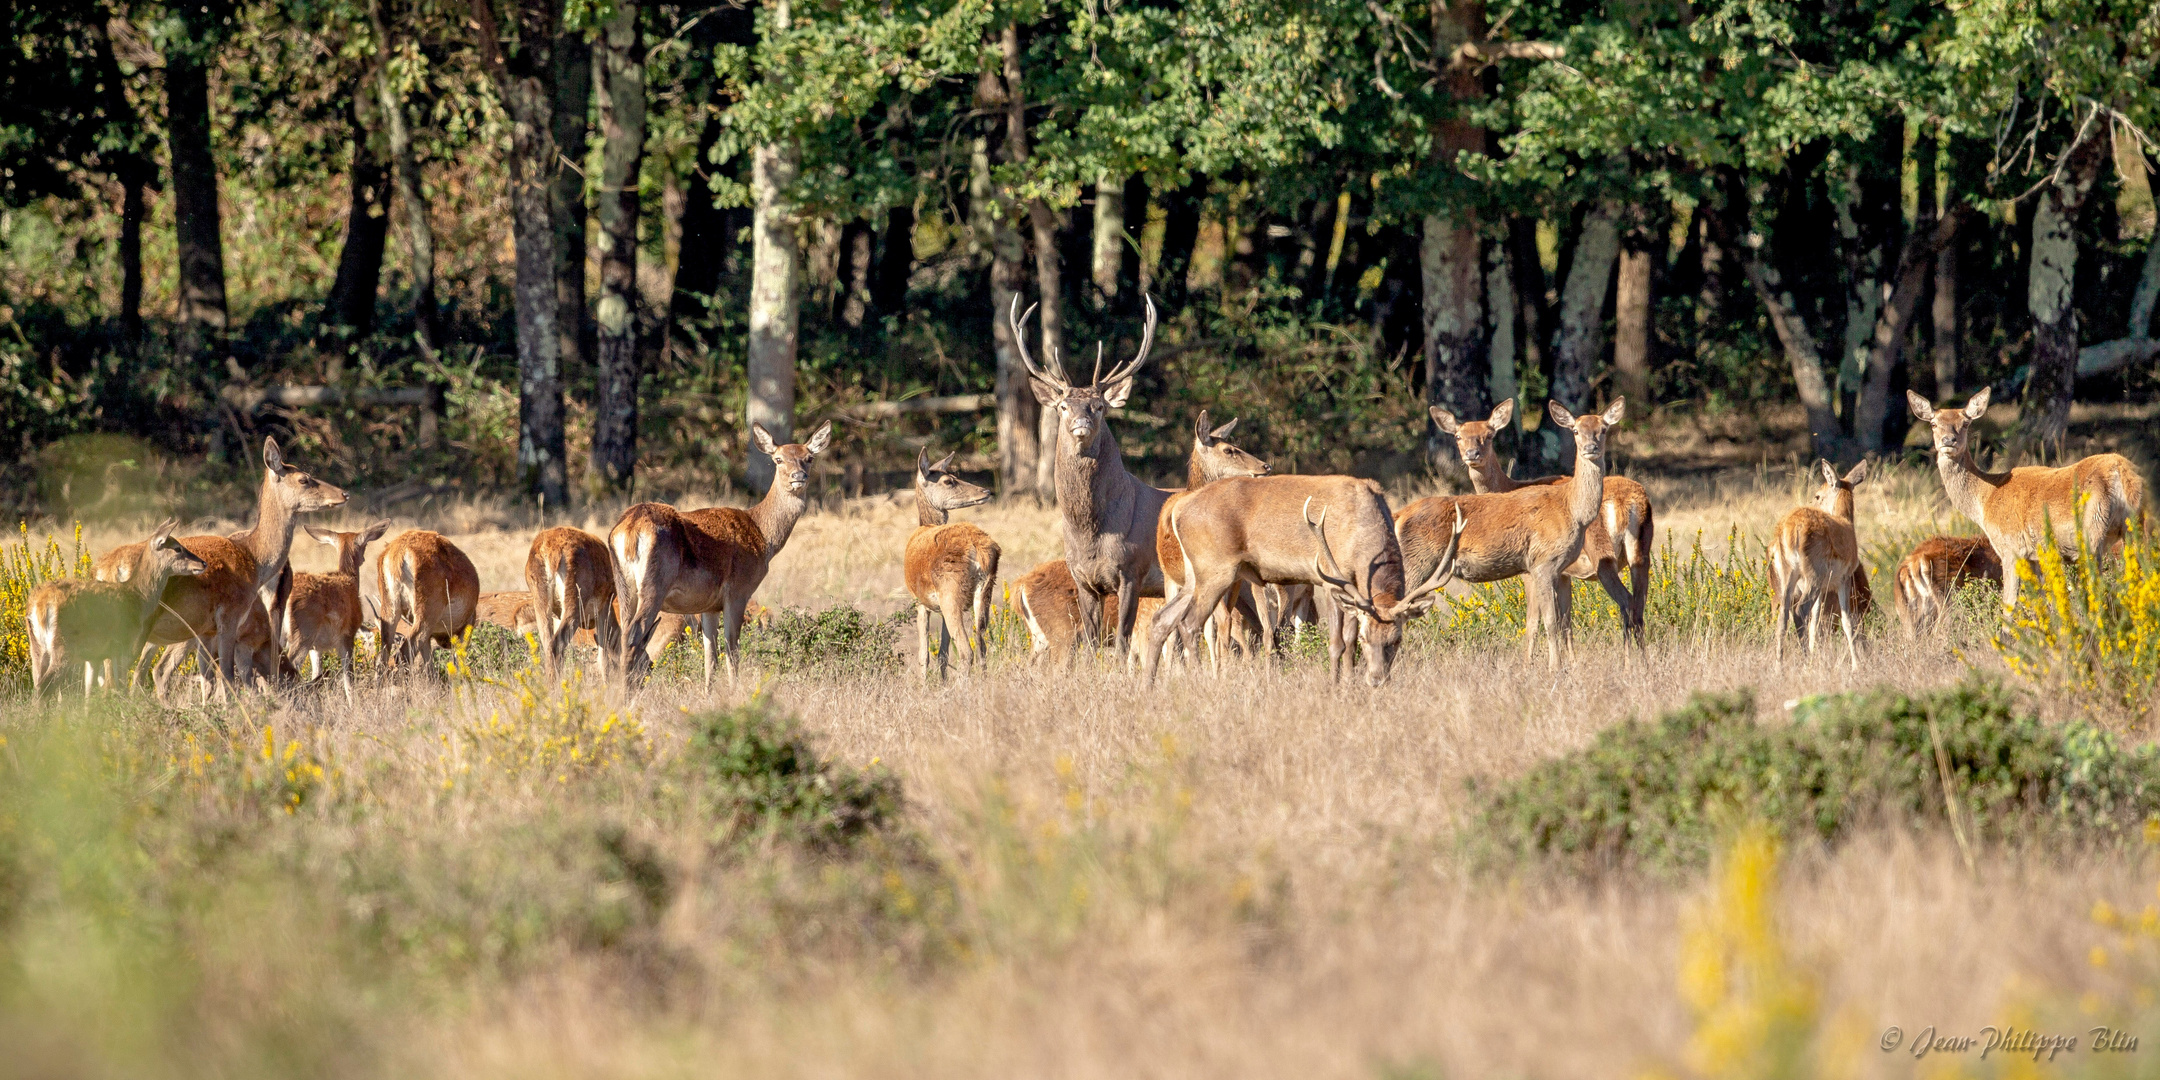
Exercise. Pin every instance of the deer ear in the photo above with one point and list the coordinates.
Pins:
(1858, 473)
(1117, 393)
(1978, 406)
(1223, 432)
(1922, 409)
(1445, 419)
(1828, 470)
(762, 438)
(821, 440)
(922, 462)
(1502, 414)
(944, 464)
(1046, 395)
(1200, 428)
(1615, 411)
(374, 532)
(1560, 415)
(164, 529)
(319, 536)
(272, 460)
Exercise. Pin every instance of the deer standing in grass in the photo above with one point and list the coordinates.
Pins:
(101, 624)
(422, 578)
(324, 612)
(1813, 556)
(571, 579)
(2099, 495)
(1109, 514)
(1213, 457)
(513, 611)
(1623, 533)
(951, 568)
(1535, 531)
(1934, 572)
(1263, 531)
(707, 563)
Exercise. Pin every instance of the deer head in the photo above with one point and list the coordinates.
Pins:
(936, 485)
(1474, 438)
(1215, 457)
(351, 548)
(164, 557)
(1950, 427)
(791, 463)
(1081, 408)
(1835, 496)
(1590, 429)
(1380, 620)
(296, 490)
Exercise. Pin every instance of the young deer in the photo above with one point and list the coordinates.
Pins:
(323, 614)
(2017, 509)
(710, 562)
(1813, 556)
(1261, 531)
(1623, 534)
(101, 624)
(950, 568)
(1935, 571)
(1213, 457)
(1533, 531)
(422, 578)
(571, 582)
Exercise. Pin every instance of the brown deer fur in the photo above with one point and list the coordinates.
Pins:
(1813, 556)
(1934, 571)
(571, 580)
(707, 563)
(2017, 509)
(513, 611)
(1533, 531)
(1213, 457)
(1109, 515)
(423, 579)
(1623, 534)
(101, 624)
(950, 568)
(324, 612)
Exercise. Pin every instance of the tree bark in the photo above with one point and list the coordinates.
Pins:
(1865, 215)
(1581, 339)
(2049, 292)
(1109, 247)
(1450, 255)
(1049, 265)
(1631, 322)
(1019, 444)
(367, 228)
(573, 85)
(2140, 345)
(775, 301)
(522, 82)
(1501, 310)
(619, 55)
(856, 249)
(1893, 327)
(411, 198)
(134, 173)
(1801, 353)
(202, 314)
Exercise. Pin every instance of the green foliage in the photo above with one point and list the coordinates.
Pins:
(2088, 635)
(1659, 794)
(23, 567)
(762, 776)
(839, 640)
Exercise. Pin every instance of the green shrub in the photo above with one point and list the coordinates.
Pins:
(760, 774)
(1659, 794)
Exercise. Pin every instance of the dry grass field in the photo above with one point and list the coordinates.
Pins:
(1253, 875)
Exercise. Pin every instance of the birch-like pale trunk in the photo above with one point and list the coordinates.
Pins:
(775, 288)
(619, 63)
(1109, 247)
(2049, 291)
(1581, 337)
(1631, 325)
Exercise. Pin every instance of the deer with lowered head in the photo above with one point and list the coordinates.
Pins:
(2099, 495)
(1813, 556)
(1934, 572)
(1264, 531)
(1109, 515)
(424, 579)
(1535, 531)
(571, 579)
(1622, 534)
(101, 624)
(707, 563)
(951, 568)
(1213, 457)
(324, 611)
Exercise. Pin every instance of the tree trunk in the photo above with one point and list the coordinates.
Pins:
(619, 55)
(522, 82)
(1801, 351)
(202, 314)
(855, 296)
(1581, 338)
(573, 85)
(1018, 442)
(1458, 362)
(1631, 321)
(1109, 248)
(2140, 346)
(1861, 245)
(775, 301)
(411, 199)
(1893, 326)
(1501, 311)
(134, 173)
(367, 229)
(1049, 266)
(1530, 288)
(2049, 292)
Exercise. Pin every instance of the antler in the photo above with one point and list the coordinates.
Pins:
(1326, 569)
(1147, 341)
(1441, 575)
(1018, 319)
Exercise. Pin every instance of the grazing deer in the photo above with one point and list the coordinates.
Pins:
(1623, 534)
(1049, 602)
(1213, 457)
(1109, 514)
(1813, 556)
(1936, 570)
(513, 611)
(1533, 531)
(323, 613)
(1249, 529)
(951, 568)
(709, 562)
(101, 624)
(2017, 509)
(571, 581)
(422, 578)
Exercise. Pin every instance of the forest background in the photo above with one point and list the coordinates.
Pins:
(569, 249)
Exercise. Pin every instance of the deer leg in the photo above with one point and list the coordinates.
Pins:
(1091, 628)
(1564, 620)
(922, 639)
(944, 644)
(709, 636)
(1608, 575)
(1537, 609)
(1852, 654)
(731, 620)
(1128, 612)
(1159, 632)
(1814, 619)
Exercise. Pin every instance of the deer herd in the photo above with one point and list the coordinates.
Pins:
(1226, 560)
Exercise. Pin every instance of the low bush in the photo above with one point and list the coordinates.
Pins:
(1659, 794)
(23, 567)
(759, 773)
(2091, 636)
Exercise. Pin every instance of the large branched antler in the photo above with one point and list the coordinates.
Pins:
(1327, 570)
(1416, 601)
(1018, 319)
(1147, 341)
